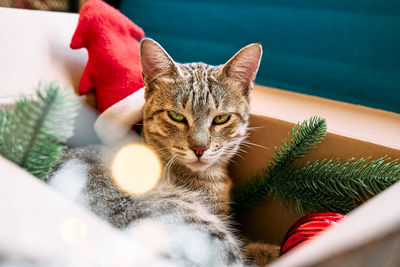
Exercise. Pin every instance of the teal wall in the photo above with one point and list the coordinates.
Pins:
(346, 50)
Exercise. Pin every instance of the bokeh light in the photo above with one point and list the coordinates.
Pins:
(136, 169)
(72, 230)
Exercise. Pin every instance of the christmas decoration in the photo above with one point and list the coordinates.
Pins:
(114, 125)
(325, 185)
(308, 227)
(113, 70)
(31, 134)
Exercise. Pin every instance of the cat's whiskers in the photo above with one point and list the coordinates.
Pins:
(244, 141)
(229, 145)
(232, 154)
(163, 148)
(236, 142)
(229, 160)
(167, 167)
(242, 150)
(221, 161)
(255, 128)
(248, 144)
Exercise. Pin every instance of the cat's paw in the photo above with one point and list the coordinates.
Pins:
(261, 254)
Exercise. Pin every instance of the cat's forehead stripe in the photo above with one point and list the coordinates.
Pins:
(201, 81)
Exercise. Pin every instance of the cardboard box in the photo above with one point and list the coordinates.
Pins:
(353, 131)
(35, 47)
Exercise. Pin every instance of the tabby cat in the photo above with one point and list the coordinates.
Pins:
(195, 118)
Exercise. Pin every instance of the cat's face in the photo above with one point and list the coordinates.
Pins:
(196, 114)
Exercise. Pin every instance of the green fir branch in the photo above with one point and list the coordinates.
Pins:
(34, 130)
(303, 137)
(333, 185)
(3, 120)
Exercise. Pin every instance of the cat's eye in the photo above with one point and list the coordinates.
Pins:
(176, 116)
(221, 119)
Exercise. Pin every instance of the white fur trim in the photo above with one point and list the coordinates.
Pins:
(113, 125)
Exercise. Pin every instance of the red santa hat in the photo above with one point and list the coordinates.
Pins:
(113, 71)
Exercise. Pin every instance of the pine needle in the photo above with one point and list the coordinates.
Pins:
(3, 120)
(327, 185)
(33, 131)
(332, 185)
(303, 137)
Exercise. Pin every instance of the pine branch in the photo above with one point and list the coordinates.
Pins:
(333, 185)
(302, 138)
(3, 120)
(34, 130)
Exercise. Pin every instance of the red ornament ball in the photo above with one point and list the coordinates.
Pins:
(308, 227)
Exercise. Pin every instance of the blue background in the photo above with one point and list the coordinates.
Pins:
(345, 50)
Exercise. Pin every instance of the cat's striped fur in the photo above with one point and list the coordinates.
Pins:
(199, 92)
(194, 189)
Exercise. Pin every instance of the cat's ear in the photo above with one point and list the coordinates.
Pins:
(155, 60)
(243, 66)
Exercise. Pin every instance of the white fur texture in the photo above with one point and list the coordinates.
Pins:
(70, 180)
(114, 124)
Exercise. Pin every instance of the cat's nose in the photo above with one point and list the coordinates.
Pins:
(199, 150)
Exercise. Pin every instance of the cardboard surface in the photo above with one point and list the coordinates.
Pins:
(359, 122)
(34, 48)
